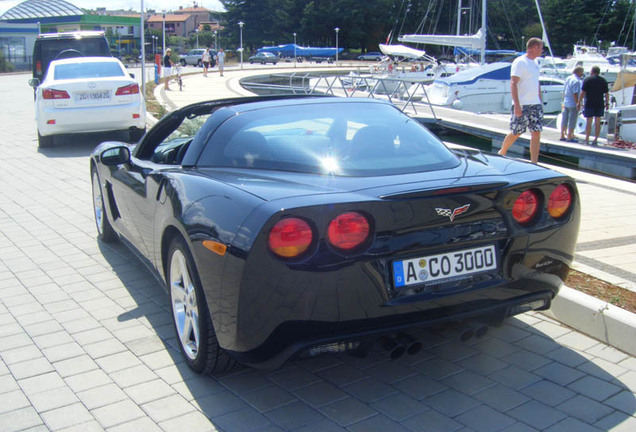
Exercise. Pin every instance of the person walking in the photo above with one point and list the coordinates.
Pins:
(167, 69)
(205, 58)
(527, 109)
(220, 60)
(593, 90)
(569, 107)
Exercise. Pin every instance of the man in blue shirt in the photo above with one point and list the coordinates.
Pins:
(571, 93)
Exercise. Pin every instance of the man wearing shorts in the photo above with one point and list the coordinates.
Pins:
(569, 108)
(593, 90)
(527, 109)
(167, 69)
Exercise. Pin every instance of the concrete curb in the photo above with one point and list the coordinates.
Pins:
(596, 318)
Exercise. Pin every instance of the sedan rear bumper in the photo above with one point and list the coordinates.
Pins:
(90, 119)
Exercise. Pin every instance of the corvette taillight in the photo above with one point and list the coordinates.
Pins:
(54, 94)
(348, 230)
(525, 207)
(560, 201)
(127, 90)
(290, 237)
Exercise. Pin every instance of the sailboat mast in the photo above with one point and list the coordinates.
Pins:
(483, 26)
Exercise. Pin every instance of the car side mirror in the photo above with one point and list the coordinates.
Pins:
(115, 155)
(132, 75)
(34, 82)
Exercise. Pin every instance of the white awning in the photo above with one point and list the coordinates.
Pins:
(475, 41)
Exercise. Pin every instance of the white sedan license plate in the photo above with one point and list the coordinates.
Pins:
(92, 96)
(444, 267)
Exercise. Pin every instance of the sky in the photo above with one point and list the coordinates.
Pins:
(127, 4)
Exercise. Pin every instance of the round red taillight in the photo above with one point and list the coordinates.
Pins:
(525, 207)
(559, 201)
(348, 230)
(290, 237)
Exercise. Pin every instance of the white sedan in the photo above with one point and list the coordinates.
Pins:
(88, 94)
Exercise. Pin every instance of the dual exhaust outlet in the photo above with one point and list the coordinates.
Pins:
(396, 346)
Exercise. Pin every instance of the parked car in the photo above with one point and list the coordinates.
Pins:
(263, 58)
(287, 227)
(194, 58)
(87, 94)
(53, 46)
(373, 56)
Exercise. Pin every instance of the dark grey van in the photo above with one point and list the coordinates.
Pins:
(53, 46)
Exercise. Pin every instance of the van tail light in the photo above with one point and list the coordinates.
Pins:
(348, 230)
(127, 90)
(560, 201)
(54, 94)
(525, 207)
(38, 67)
(290, 237)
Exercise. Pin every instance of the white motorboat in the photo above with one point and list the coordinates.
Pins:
(588, 56)
(487, 89)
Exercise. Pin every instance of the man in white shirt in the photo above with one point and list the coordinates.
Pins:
(527, 108)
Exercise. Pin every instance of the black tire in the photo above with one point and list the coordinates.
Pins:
(188, 302)
(263, 62)
(199, 63)
(45, 141)
(274, 63)
(135, 134)
(183, 62)
(105, 231)
(251, 61)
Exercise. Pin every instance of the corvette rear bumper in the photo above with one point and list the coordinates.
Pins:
(294, 339)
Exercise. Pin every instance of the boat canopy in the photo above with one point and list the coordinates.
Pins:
(476, 41)
(401, 51)
(492, 71)
(472, 52)
(289, 51)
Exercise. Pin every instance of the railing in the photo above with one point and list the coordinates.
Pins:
(400, 93)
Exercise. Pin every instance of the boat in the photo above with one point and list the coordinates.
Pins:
(587, 56)
(486, 89)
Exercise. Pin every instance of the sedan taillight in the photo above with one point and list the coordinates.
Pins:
(348, 230)
(560, 201)
(290, 237)
(54, 94)
(525, 207)
(127, 90)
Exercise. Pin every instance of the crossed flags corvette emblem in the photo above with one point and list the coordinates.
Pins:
(452, 213)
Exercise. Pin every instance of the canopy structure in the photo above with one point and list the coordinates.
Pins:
(492, 71)
(32, 9)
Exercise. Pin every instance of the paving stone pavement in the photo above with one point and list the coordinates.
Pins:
(86, 341)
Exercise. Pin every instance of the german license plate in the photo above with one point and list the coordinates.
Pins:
(92, 96)
(444, 267)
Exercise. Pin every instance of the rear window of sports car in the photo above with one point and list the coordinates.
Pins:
(346, 139)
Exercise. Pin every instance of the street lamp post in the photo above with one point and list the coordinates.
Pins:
(295, 58)
(216, 48)
(337, 30)
(241, 24)
(164, 34)
(119, 41)
(197, 32)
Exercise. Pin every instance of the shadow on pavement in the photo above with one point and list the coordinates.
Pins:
(80, 145)
(514, 376)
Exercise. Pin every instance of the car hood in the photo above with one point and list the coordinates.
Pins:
(488, 171)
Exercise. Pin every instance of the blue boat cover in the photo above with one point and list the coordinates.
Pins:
(288, 51)
(493, 71)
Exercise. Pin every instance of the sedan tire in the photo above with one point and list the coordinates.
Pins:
(199, 63)
(191, 317)
(104, 229)
(44, 141)
(183, 62)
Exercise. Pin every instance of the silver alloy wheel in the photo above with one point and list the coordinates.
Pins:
(184, 305)
(98, 203)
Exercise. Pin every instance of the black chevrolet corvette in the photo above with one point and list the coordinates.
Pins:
(287, 227)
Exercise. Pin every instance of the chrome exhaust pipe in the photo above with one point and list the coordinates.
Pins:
(409, 342)
(393, 348)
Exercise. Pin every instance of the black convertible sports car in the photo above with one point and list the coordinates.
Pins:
(286, 227)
